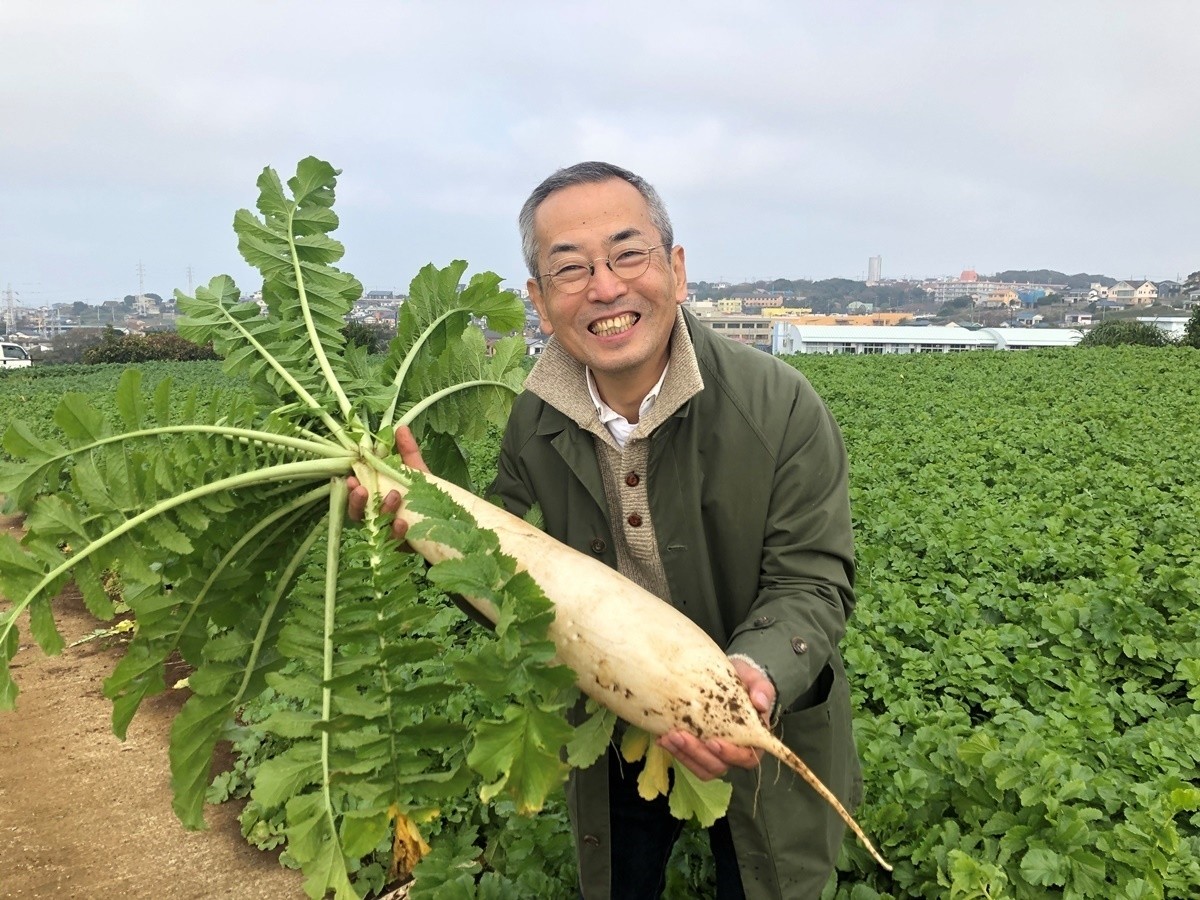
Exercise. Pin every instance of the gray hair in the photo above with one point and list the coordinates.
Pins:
(589, 173)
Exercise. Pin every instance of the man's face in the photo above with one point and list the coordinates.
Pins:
(619, 329)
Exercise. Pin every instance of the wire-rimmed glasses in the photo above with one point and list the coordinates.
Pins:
(627, 261)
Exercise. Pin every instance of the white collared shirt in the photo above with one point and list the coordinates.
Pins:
(618, 426)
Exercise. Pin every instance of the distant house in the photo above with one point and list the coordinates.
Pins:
(1169, 288)
(1110, 305)
(1146, 293)
(1031, 297)
(1001, 299)
(1122, 291)
(1079, 318)
(1028, 319)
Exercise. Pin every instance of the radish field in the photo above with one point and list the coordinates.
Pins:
(1025, 654)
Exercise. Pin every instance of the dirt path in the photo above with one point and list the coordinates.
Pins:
(83, 815)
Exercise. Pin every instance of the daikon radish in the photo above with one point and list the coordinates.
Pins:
(631, 652)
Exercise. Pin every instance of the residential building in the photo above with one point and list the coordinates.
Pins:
(754, 330)
(874, 270)
(1122, 292)
(1003, 297)
(1146, 294)
(760, 299)
(970, 285)
(1030, 297)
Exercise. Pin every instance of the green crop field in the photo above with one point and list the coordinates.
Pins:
(32, 395)
(1025, 655)
(1026, 652)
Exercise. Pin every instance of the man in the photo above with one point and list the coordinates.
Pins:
(712, 475)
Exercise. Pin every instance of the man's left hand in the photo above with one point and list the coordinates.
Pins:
(712, 759)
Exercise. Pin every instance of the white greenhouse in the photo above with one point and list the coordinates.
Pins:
(788, 338)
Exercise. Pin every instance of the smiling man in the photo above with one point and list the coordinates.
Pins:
(713, 476)
(610, 288)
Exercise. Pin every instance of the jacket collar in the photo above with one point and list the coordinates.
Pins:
(561, 381)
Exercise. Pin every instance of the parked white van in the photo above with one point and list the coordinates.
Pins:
(13, 356)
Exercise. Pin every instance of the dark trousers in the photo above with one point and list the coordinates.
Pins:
(643, 834)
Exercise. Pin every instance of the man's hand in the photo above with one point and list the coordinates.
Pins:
(410, 453)
(712, 759)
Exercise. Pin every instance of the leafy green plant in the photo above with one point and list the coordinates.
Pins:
(136, 348)
(363, 335)
(224, 515)
(1116, 333)
(1191, 331)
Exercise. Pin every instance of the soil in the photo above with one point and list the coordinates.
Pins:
(83, 815)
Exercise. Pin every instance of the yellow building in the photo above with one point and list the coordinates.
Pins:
(1006, 297)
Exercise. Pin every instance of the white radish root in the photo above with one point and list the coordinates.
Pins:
(631, 652)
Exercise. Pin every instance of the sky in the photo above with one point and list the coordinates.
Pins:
(789, 139)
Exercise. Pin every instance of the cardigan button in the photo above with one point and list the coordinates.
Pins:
(598, 546)
(635, 521)
(799, 645)
(591, 840)
(763, 621)
(632, 479)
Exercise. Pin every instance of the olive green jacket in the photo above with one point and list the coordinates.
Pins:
(747, 487)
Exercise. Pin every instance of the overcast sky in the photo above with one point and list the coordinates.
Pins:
(789, 139)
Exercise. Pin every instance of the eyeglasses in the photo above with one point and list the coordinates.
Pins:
(627, 261)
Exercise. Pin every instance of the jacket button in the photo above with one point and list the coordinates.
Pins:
(763, 621)
(598, 546)
(591, 840)
(635, 521)
(632, 479)
(799, 645)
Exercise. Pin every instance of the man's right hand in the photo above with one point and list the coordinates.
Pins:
(410, 453)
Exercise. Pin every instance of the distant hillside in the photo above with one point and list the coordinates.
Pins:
(1079, 282)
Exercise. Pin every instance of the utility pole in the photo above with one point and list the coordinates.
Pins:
(10, 311)
(189, 274)
(139, 305)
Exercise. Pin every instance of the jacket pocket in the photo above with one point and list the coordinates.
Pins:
(817, 727)
(816, 696)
